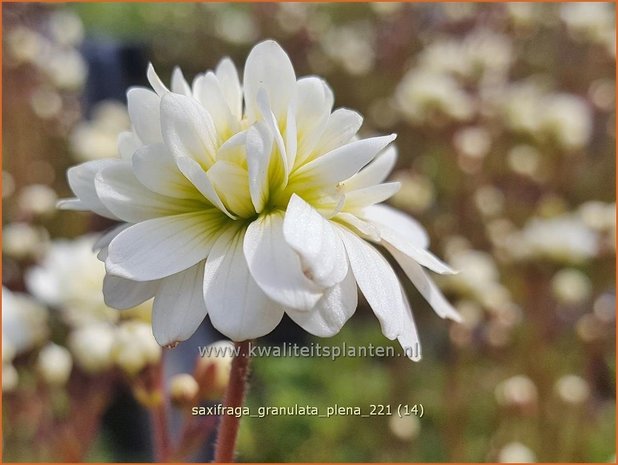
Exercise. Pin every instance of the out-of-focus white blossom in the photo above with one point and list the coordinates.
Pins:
(183, 389)
(564, 239)
(416, 194)
(54, 364)
(571, 286)
(97, 138)
(66, 69)
(572, 389)
(516, 452)
(92, 347)
(66, 28)
(525, 160)
(38, 200)
(405, 428)
(135, 347)
(24, 323)
(589, 20)
(604, 308)
(421, 94)
(489, 200)
(46, 102)
(70, 279)
(22, 240)
(567, 119)
(236, 26)
(351, 46)
(517, 391)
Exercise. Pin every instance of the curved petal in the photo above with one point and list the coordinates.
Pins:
(128, 199)
(275, 266)
(315, 240)
(341, 127)
(259, 148)
(230, 86)
(341, 163)
(143, 106)
(383, 216)
(374, 173)
(270, 68)
(155, 167)
(188, 129)
(332, 311)
(128, 143)
(367, 196)
(155, 81)
(377, 281)
(82, 182)
(208, 92)
(236, 305)
(179, 306)
(230, 181)
(408, 337)
(179, 83)
(123, 293)
(158, 248)
(425, 285)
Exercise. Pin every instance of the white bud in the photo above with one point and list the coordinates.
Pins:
(572, 389)
(183, 388)
(405, 428)
(135, 347)
(571, 286)
(10, 377)
(37, 199)
(516, 391)
(92, 347)
(54, 364)
(516, 452)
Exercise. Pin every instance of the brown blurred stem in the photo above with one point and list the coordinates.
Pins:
(234, 397)
(158, 412)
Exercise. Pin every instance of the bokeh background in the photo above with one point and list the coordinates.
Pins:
(506, 122)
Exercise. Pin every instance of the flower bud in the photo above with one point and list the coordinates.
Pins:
(54, 364)
(92, 347)
(183, 389)
(135, 347)
(516, 452)
(213, 369)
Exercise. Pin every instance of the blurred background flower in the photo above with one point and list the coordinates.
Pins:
(506, 123)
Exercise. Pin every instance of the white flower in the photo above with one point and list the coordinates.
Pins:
(69, 278)
(134, 347)
(516, 452)
(24, 324)
(247, 211)
(92, 347)
(54, 364)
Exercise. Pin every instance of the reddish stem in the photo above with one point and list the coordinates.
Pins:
(234, 397)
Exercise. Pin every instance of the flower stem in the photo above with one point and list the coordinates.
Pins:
(159, 419)
(234, 397)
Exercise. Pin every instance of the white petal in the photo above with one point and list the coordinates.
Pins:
(315, 240)
(199, 178)
(158, 248)
(208, 92)
(269, 119)
(425, 285)
(123, 293)
(259, 149)
(383, 216)
(179, 83)
(414, 251)
(374, 173)
(155, 81)
(155, 167)
(377, 281)
(104, 240)
(129, 200)
(269, 67)
(143, 106)
(408, 338)
(128, 143)
(230, 85)
(315, 102)
(236, 305)
(341, 126)
(361, 198)
(341, 163)
(230, 181)
(361, 227)
(188, 129)
(179, 308)
(81, 180)
(332, 311)
(275, 266)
